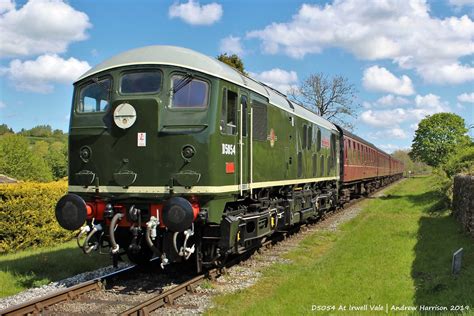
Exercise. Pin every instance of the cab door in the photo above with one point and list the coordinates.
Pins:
(244, 143)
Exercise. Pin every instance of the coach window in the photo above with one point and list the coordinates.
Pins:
(351, 154)
(141, 82)
(94, 97)
(229, 113)
(359, 155)
(356, 152)
(189, 93)
(345, 151)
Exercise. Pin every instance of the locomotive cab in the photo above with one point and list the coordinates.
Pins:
(140, 142)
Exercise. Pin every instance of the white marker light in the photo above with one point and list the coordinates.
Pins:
(125, 115)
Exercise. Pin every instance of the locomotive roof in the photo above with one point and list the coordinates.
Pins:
(186, 58)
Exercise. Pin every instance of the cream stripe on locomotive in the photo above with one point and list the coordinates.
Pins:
(196, 189)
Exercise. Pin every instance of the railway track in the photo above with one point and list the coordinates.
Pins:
(153, 301)
(36, 306)
(169, 296)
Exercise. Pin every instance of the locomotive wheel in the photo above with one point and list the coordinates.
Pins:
(141, 257)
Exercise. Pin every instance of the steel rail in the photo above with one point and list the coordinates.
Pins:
(38, 305)
(168, 297)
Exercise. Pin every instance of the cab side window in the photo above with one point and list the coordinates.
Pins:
(229, 113)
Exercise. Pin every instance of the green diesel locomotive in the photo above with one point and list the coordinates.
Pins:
(176, 155)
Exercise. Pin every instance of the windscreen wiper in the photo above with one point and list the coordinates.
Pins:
(101, 84)
(183, 82)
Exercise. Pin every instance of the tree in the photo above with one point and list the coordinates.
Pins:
(41, 131)
(416, 167)
(40, 148)
(437, 137)
(54, 154)
(18, 161)
(332, 98)
(57, 159)
(4, 129)
(233, 61)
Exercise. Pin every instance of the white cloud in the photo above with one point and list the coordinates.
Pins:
(231, 45)
(460, 3)
(466, 97)
(385, 118)
(366, 105)
(2, 105)
(397, 133)
(392, 133)
(390, 148)
(278, 79)
(428, 105)
(41, 26)
(423, 105)
(401, 31)
(6, 5)
(391, 100)
(380, 79)
(193, 13)
(447, 74)
(39, 75)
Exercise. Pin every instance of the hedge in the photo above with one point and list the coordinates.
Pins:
(27, 215)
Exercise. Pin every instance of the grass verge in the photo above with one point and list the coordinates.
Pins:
(396, 252)
(31, 268)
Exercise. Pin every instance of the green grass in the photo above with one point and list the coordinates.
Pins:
(397, 251)
(32, 268)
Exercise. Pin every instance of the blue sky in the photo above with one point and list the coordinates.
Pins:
(407, 58)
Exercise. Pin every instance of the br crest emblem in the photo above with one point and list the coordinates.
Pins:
(272, 137)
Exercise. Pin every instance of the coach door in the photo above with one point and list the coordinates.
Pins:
(244, 143)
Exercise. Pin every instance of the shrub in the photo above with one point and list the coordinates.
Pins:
(460, 162)
(27, 213)
(18, 161)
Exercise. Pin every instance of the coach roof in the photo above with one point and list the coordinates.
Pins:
(186, 58)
